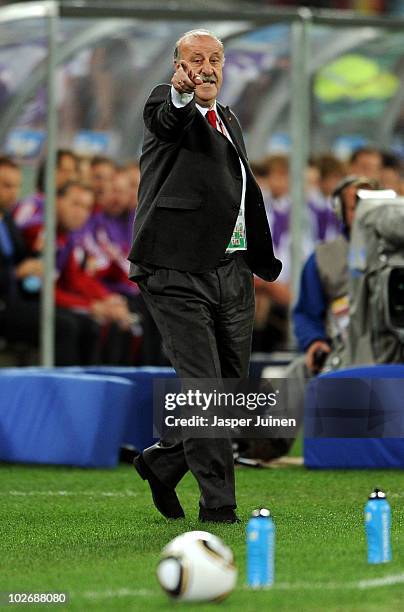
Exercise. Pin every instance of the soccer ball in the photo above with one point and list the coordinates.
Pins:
(197, 566)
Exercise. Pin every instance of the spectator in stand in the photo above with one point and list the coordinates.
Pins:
(10, 183)
(392, 173)
(366, 161)
(120, 218)
(20, 279)
(77, 290)
(121, 205)
(97, 260)
(107, 239)
(278, 207)
(67, 167)
(312, 177)
(134, 178)
(102, 175)
(84, 169)
(112, 232)
(272, 299)
(30, 210)
(323, 222)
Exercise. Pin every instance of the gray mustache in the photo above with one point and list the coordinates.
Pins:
(207, 79)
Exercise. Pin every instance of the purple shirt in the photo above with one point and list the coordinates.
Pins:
(106, 239)
(323, 221)
(30, 211)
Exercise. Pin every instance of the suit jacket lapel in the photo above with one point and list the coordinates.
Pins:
(226, 117)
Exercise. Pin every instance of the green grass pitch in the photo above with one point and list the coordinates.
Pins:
(96, 535)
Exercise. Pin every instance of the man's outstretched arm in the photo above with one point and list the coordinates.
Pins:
(167, 117)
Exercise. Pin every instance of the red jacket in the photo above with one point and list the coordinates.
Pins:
(75, 289)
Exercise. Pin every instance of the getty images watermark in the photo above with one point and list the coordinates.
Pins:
(212, 408)
(338, 407)
(219, 399)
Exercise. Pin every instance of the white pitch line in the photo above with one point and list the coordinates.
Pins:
(283, 586)
(115, 594)
(360, 584)
(311, 586)
(380, 582)
(14, 493)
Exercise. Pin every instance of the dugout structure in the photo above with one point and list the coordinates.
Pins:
(76, 74)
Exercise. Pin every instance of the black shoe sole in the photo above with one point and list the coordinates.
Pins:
(223, 521)
(210, 518)
(173, 510)
(139, 465)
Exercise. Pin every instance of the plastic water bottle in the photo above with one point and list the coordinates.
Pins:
(260, 549)
(377, 525)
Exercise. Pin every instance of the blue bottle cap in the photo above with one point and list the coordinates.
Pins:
(32, 284)
(262, 512)
(377, 494)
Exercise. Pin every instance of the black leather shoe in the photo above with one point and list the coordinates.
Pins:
(225, 514)
(165, 498)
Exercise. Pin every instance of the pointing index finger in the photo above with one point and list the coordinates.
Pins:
(184, 66)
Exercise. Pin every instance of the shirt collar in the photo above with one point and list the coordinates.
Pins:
(203, 109)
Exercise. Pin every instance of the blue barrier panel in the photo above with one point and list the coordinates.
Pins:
(59, 418)
(372, 395)
(139, 430)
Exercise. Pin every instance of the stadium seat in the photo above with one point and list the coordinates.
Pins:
(372, 396)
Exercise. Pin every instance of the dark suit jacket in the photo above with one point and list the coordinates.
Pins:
(190, 192)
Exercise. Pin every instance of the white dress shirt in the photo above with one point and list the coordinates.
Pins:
(181, 100)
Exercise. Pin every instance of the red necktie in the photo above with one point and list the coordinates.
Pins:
(211, 115)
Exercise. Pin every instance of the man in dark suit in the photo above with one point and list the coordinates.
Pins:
(200, 233)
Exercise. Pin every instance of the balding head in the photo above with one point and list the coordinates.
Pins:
(194, 34)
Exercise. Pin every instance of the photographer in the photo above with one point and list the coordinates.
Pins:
(321, 314)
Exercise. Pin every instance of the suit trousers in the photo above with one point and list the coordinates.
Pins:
(206, 321)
